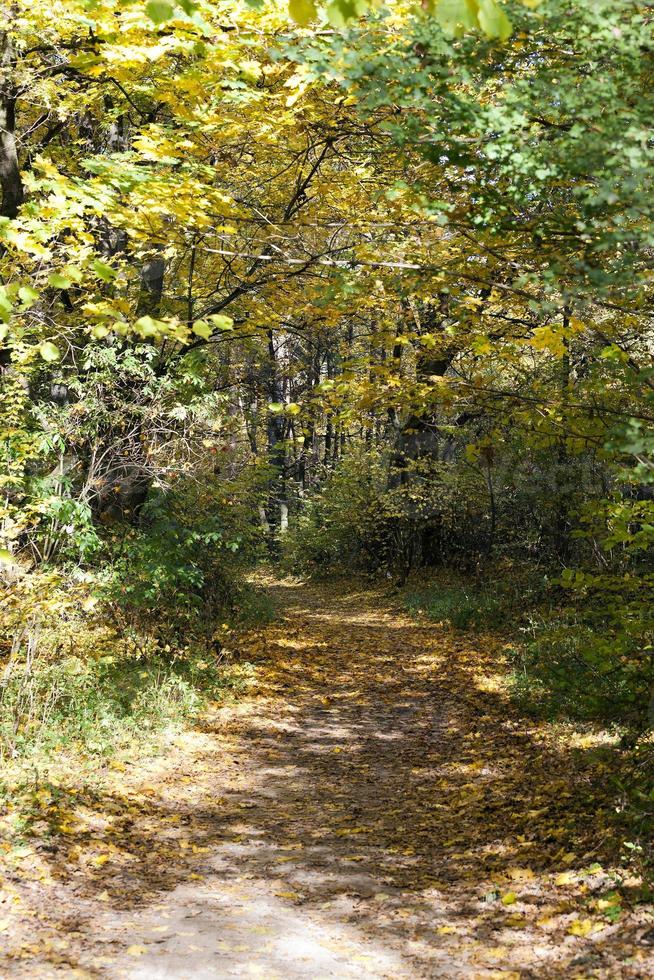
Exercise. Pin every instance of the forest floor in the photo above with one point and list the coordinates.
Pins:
(374, 807)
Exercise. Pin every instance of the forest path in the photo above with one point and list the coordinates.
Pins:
(375, 809)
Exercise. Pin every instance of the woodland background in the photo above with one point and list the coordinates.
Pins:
(355, 288)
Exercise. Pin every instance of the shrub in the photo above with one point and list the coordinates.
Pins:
(179, 570)
(345, 525)
(459, 606)
(568, 666)
(96, 705)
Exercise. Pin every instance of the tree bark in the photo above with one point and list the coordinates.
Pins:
(276, 434)
(10, 177)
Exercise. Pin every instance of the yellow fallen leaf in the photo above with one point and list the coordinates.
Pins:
(495, 952)
(520, 874)
(287, 894)
(136, 950)
(509, 898)
(566, 878)
(445, 930)
(581, 927)
(66, 827)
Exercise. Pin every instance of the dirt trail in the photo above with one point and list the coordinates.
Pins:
(376, 810)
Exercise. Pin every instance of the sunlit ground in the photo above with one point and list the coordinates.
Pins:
(378, 809)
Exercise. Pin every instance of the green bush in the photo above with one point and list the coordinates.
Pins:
(568, 667)
(96, 705)
(458, 606)
(180, 569)
(372, 515)
(346, 524)
(98, 655)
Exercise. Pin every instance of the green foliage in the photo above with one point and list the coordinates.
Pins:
(602, 661)
(492, 499)
(637, 816)
(252, 607)
(171, 562)
(100, 705)
(62, 526)
(185, 556)
(454, 17)
(460, 606)
(345, 525)
(581, 669)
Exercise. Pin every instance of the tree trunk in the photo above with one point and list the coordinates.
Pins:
(10, 178)
(562, 524)
(276, 433)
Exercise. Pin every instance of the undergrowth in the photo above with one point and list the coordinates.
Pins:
(99, 706)
(571, 664)
(566, 667)
(457, 606)
(478, 603)
(566, 660)
(86, 678)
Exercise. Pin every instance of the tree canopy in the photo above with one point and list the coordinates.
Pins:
(343, 285)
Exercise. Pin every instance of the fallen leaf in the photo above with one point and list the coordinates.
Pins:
(520, 874)
(581, 927)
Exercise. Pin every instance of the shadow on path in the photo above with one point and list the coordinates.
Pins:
(379, 810)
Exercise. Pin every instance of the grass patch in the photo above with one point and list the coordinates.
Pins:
(458, 606)
(98, 706)
(481, 602)
(79, 677)
(563, 667)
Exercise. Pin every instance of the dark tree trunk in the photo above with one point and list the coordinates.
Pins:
(277, 510)
(151, 292)
(10, 177)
